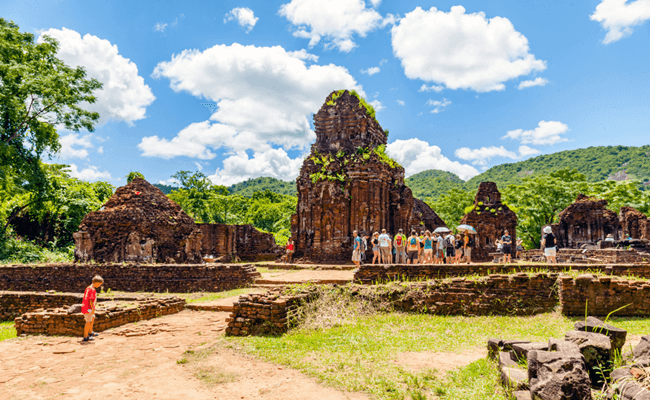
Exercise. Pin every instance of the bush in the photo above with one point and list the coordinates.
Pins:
(13, 250)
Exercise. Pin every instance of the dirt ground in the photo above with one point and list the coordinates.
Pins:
(139, 361)
(441, 362)
(276, 277)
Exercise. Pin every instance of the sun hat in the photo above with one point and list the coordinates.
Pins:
(548, 229)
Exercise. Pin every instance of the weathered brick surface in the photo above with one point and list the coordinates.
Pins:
(586, 221)
(127, 277)
(59, 322)
(602, 295)
(231, 242)
(621, 255)
(520, 294)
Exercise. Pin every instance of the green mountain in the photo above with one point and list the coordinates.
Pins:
(247, 188)
(166, 189)
(433, 183)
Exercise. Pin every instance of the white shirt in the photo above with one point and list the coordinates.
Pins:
(384, 240)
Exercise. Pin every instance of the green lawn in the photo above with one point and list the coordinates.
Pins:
(359, 356)
(7, 330)
(196, 297)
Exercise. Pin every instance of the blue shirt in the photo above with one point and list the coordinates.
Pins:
(357, 242)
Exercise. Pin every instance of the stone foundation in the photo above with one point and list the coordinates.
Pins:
(592, 256)
(59, 322)
(602, 295)
(227, 243)
(127, 277)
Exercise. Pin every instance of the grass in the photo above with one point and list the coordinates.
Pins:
(196, 297)
(7, 330)
(359, 355)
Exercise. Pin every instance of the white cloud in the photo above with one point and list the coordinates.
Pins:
(333, 21)
(462, 51)
(169, 182)
(376, 104)
(244, 16)
(483, 155)
(535, 82)
(416, 155)
(303, 55)
(375, 3)
(73, 146)
(91, 173)
(160, 27)
(124, 95)
(401, 103)
(438, 105)
(264, 96)
(619, 16)
(432, 88)
(199, 166)
(370, 71)
(274, 163)
(546, 133)
(100, 149)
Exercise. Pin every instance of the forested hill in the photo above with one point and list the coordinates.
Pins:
(432, 183)
(247, 188)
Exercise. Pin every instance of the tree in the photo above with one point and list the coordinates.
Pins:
(38, 94)
(133, 175)
(451, 205)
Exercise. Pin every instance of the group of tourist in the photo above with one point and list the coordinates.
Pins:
(421, 247)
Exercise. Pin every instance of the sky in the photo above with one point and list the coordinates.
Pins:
(229, 88)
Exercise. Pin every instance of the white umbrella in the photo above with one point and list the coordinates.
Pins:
(441, 229)
(466, 228)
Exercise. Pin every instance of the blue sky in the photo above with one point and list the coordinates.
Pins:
(229, 87)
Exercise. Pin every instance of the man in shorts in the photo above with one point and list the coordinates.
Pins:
(412, 248)
(449, 248)
(385, 247)
(88, 307)
(506, 239)
(356, 249)
(400, 247)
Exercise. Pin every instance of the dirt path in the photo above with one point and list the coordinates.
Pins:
(139, 361)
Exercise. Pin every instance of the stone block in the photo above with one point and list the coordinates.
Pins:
(559, 374)
(616, 335)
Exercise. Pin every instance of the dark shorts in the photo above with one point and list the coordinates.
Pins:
(450, 252)
(507, 249)
(412, 255)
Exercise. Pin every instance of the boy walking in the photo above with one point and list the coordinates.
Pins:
(88, 307)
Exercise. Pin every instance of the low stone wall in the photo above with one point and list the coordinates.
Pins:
(519, 294)
(592, 256)
(375, 273)
(14, 304)
(262, 313)
(602, 295)
(127, 277)
(59, 322)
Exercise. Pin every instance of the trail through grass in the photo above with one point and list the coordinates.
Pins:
(7, 330)
(359, 356)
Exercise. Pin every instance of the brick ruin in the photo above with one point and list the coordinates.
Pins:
(634, 223)
(490, 217)
(348, 183)
(138, 223)
(585, 222)
(228, 243)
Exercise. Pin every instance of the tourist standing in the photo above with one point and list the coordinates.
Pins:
(440, 247)
(428, 248)
(549, 245)
(290, 251)
(385, 247)
(459, 249)
(506, 239)
(449, 248)
(400, 247)
(356, 249)
(468, 243)
(412, 248)
(375, 248)
(520, 248)
(88, 307)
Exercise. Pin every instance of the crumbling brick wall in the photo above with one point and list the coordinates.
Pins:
(598, 296)
(634, 223)
(127, 277)
(227, 243)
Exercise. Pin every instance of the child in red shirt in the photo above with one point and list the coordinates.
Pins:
(88, 307)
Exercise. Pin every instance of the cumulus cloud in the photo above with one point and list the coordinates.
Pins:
(483, 155)
(416, 155)
(274, 163)
(401, 102)
(432, 88)
(264, 97)
(370, 71)
(619, 16)
(546, 133)
(75, 146)
(438, 105)
(303, 55)
(91, 173)
(376, 104)
(244, 16)
(335, 22)
(462, 51)
(535, 82)
(124, 96)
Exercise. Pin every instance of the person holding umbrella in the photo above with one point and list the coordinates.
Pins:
(468, 241)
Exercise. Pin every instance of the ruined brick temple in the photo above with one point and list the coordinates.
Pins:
(634, 224)
(585, 222)
(140, 224)
(490, 217)
(348, 183)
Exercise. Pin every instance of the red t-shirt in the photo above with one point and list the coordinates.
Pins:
(90, 295)
(290, 246)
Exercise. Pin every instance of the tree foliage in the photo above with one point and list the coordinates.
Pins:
(250, 186)
(451, 206)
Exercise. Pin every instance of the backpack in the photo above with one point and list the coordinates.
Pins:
(470, 242)
(364, 245)
(398, 241)
(549, 240)
(448, 242)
